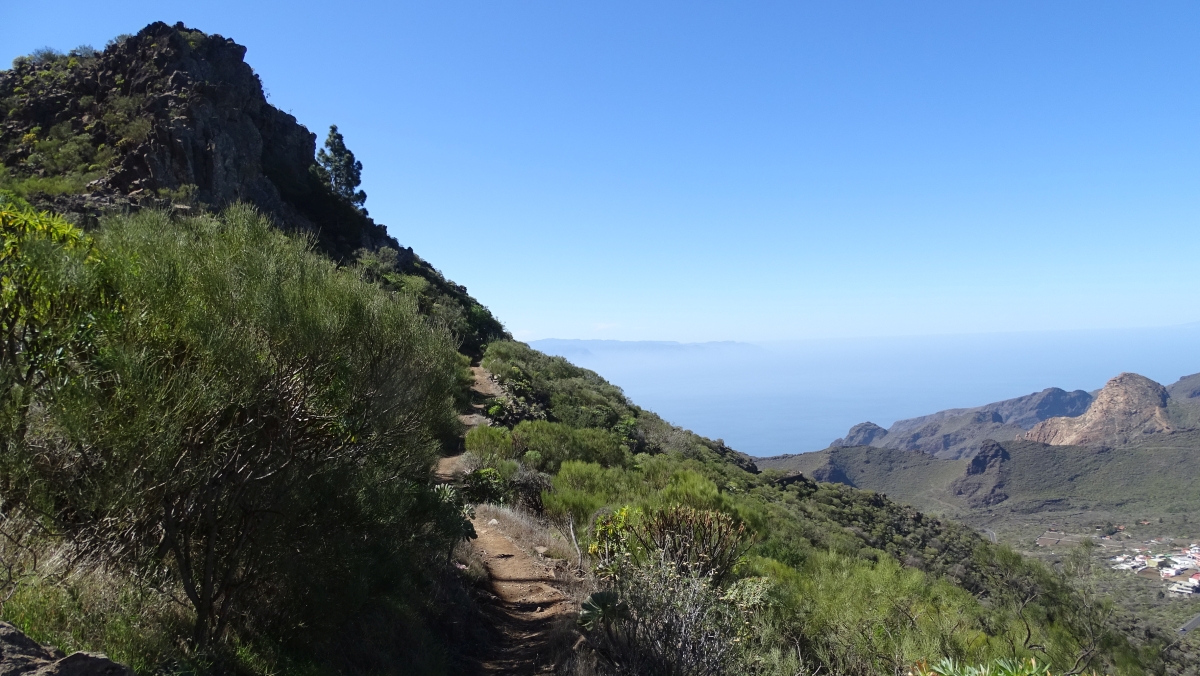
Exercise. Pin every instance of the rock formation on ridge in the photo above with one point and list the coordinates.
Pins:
(1129, 407)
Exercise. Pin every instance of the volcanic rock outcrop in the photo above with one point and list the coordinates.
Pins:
(862, 434)
(1128, 408)
(171, 115)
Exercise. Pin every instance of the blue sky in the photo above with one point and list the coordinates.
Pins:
(750, 171)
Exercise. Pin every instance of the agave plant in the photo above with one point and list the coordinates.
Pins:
(601, 609)
(1000, 667)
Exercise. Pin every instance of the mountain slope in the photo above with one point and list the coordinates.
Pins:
(957, 432)
(1158, 474)
(218, 391)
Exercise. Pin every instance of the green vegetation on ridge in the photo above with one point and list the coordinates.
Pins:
(843, 568)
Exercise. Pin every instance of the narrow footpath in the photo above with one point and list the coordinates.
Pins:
(527, 604)
(526, 601)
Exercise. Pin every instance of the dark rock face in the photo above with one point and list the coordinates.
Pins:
(832, 473)
(21, 655)
(737, 458)
(172, 118)
(211, 135)
(982, 485)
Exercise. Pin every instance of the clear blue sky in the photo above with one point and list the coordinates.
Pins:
(749, 171)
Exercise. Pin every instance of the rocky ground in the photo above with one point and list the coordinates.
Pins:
(22, 656)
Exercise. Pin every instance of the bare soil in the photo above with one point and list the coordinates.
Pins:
(529, 608)
(529, 605)
(483, 389)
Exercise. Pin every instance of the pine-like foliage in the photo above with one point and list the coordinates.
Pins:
(339, 169)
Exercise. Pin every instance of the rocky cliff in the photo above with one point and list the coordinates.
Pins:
(862, 434)
(173, 118)
(1128, 408)
(168, 116)
(982, 484)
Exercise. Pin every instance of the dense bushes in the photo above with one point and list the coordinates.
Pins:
(209, 405)
(544, 446)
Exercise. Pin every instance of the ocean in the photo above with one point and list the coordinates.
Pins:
(792, 397)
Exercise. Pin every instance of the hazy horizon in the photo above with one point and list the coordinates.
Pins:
(798, 396)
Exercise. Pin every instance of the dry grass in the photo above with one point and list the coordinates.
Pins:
(470, 563)
(529, 532)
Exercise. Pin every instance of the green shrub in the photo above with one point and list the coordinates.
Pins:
(556, 443)
(484, 486)
(488, 442)
(243, 415)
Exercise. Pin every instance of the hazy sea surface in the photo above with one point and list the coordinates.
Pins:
(792, 397)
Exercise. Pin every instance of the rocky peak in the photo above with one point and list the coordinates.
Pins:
(982, 484)
(862, 434)
(1129, 407)
(170, 116)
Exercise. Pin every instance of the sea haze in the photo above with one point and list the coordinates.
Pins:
(793, 397)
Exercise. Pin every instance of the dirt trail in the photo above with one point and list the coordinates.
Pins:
(526, 607)
(526, 600)
(482, 389)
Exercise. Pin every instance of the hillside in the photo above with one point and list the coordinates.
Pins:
(1127, 408)
(1130, 449)
(1157, 475)
(224, 393)
(174, 118)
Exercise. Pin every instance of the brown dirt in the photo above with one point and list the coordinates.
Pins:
(527, 605)
(448, 468)
(482, 389)
(526, 601)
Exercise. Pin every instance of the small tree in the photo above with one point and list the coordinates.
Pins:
(340, 171)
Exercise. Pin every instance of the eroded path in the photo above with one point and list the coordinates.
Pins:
(482, 389)
(527, 607)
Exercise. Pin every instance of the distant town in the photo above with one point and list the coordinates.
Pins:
(1176, 564)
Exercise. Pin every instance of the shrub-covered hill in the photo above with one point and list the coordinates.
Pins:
(217, 437)
(174, 118)
(858, 575)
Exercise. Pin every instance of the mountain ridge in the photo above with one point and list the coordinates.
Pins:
(953, 433)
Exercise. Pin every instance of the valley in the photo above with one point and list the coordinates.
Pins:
(1121, 475)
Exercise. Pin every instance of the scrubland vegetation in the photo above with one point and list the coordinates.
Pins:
(217, 446)
(217, 451)
(217, 443)
(827, 578)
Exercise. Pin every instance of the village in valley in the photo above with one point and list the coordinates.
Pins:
(1175, 562)
(1178, 566)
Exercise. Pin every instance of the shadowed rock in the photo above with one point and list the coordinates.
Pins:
(22, 656)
